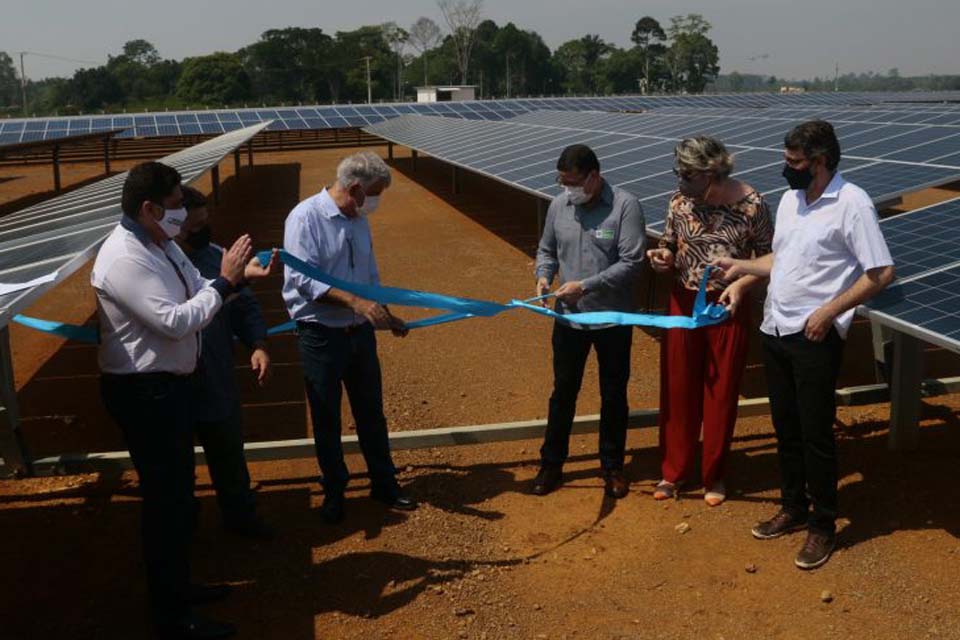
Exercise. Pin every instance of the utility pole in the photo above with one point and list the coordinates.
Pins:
(23, 85)
(836, 77)
(508, 76)
(369, 91)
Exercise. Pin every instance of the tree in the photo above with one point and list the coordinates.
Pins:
(289, 65)
(736, 82)
(216, 79)
(647, 35)
(582, 62)
(424, 36)
(396, 38)
(141, 52)
(693, 58)
(509, 43)
(462, 18)
(91, 89)
(9, 82)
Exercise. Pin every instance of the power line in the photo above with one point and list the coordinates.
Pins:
(56, 57)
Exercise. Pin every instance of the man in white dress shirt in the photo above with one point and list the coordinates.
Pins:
(829, 256)
(152, 305)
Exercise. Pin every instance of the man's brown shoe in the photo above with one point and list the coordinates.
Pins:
(548, 479)
(615, 485)
(781, 524)
(816, 550)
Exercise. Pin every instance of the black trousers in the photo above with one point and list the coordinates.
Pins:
(222, 442)
(570, 350)
(155, 411)
(802, 381)
(334, 359)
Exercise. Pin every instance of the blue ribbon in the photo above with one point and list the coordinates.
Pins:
(69, 331)
(704, 313)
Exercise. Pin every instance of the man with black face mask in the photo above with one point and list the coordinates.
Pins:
(219, 427)
(829, 256)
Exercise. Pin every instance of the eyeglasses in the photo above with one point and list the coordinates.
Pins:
(686, 176)
(559, 181)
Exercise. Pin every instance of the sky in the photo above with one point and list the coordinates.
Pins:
(799, 39)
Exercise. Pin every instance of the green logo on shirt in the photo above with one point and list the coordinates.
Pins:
(604, 234)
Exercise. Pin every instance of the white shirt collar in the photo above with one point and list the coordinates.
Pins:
(832, 189)
(327, 206)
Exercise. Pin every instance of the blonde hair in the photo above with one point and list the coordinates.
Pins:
(703, 154)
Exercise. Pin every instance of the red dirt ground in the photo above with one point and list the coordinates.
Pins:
(481, 558)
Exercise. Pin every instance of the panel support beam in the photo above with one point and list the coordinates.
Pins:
(250, 153)
(56, 168)
(236, 162)
(390, 150)
(215, 179)
(106, 156)
(455, 176)
(541, 216)
(413, 156)
(12, 446)
(905, 392)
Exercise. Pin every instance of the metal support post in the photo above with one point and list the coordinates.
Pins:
(12, 447)
(906, 378)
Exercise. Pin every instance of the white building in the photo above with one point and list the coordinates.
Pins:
(455, 93)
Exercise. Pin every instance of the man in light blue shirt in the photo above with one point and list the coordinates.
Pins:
(338, 348)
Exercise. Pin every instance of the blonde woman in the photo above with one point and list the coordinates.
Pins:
(711, 216)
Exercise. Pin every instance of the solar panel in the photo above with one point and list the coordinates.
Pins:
(921, 241)
(636, 152)
(340, 116)
(927, 307)
(59, 235)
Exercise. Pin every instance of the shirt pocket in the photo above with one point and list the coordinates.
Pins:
(605, 237)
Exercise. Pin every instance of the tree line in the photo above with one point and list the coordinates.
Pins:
(306, 65)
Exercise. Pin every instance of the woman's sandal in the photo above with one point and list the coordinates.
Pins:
(665, 490)
(716, 495)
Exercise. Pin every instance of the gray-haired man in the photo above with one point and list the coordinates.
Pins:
(335, 328)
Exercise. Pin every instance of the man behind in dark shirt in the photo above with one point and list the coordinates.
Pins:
(219, 426)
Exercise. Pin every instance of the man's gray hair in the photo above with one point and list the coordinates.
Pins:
(365, 168)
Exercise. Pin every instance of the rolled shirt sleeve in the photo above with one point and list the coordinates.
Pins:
(864, 238)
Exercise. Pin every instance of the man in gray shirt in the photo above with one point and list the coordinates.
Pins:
(595, 237)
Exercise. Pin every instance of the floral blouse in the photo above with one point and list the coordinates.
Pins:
(700, 233)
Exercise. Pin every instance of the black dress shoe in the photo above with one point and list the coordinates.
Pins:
(615, 485)
(252, 527)
(206, 593)
(332, 509)
(194, 627)
(548, 479)
(396, 499)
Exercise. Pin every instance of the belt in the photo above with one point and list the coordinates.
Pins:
(149, 376)
(347, 330)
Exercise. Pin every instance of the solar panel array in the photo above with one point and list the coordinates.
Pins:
(636, 151)
(925, 300)
(207, 122)
(886, 155)
(59, 235)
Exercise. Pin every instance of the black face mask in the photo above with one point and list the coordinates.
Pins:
(797, 178)
(199, 239)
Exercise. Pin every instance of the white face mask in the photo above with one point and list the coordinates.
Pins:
(576, 195)
(370, 204)
(172, 220)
